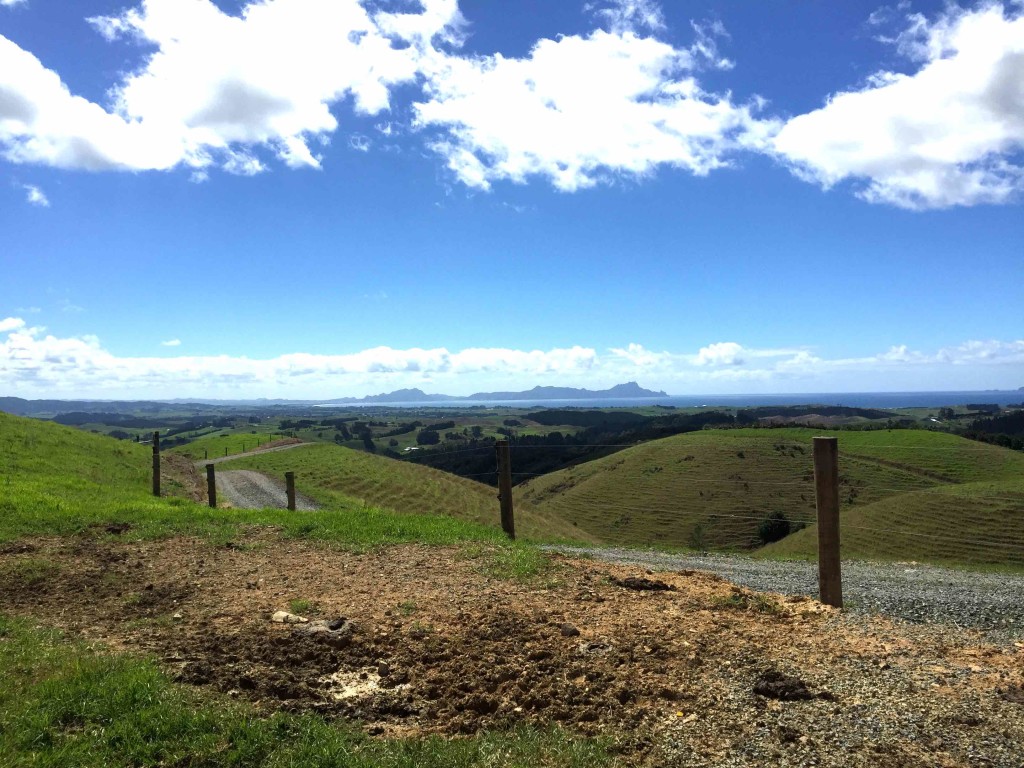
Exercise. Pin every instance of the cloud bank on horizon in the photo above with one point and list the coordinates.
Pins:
(34, 363)
(575, 111)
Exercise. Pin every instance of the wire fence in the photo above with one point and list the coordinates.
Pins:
(908, 500)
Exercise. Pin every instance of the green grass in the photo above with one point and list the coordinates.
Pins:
(333, 474)
(43, 494)
(223, 443)
(727, 481)
(978, 524)
(63, 704)
(60, 481)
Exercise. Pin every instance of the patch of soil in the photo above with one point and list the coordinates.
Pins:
(179, 476)
(414, 640)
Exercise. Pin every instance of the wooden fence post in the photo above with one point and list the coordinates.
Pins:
(826, 489)
(289, 481)
(156, 463)
(505, 488)
(211, 485)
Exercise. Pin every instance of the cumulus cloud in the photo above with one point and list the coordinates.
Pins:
(36, 196)
(722, 353)
(580, 109)
(217, 86)
(34, 362)
(950, 133)
(171, 343)
(242, 91)
(30, 357)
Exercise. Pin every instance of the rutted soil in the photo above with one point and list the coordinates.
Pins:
(691, 671)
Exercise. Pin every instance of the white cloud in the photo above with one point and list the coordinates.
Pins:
(42, 122)
(628, 15)
(12, 3)
(722, 353)
(948, 134)
(35, 363)
(217, 87)
(171, 343)
(984, 352)
(580, 109)
(36, 196)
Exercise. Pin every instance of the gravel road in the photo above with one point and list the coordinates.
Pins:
(255, 452)
(992, 602)
(246, 489)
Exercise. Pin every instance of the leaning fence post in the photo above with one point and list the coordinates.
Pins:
(826, 489)
(505, 488)
(289, 481)
(156, 463)
(211, 485)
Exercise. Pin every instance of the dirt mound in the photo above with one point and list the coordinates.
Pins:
(413, 640)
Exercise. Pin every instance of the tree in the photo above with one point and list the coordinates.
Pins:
(428, 437)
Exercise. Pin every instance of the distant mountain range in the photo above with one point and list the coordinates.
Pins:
(629, 390)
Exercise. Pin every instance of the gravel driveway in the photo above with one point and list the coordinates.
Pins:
(993, 602)
(203, 462)
(246, 489)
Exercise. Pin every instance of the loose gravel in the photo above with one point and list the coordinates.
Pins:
(922, 594)
(246, 489)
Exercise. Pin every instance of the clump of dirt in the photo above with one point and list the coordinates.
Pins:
(776, 685)
(642, 584)
(180, 477)
(414, 640)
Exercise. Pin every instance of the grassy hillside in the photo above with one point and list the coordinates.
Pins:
(57, 480)
(222, 443)
(715, 486)
(329, 472)
(974, 523)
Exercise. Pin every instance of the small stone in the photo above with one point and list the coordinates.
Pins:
(177, 617)
(283, 617)
(568, 630)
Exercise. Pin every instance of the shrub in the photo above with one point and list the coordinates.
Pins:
(774, 527)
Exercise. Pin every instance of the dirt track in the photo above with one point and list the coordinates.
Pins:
(272, 448)
(246, 489)
(420, 640)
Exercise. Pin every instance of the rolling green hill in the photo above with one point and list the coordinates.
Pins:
(326, 472)
(57, 481)
(714, 487)
(978, 523)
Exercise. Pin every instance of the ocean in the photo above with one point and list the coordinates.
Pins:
(853, 399)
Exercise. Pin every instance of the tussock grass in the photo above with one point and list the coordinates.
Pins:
(63, 704)
(333, 474)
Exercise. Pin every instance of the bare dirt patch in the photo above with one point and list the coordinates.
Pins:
(415, 640)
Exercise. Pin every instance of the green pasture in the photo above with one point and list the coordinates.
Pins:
(332, 474)
(713, 488)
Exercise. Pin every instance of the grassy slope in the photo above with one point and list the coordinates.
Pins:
(58, 480)
(979, 523)
(329, 472)
(655, 493)
(215, 444)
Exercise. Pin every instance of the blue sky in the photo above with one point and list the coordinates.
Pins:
(304, 198)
